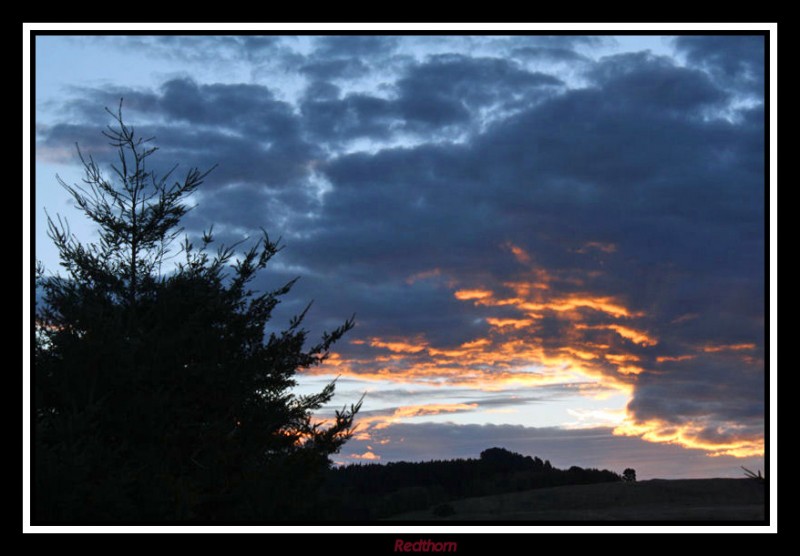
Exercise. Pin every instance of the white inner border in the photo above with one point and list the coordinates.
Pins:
(587, 28)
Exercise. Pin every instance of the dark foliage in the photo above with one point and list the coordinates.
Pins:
(157, 395)
(629, 475)
(376, 491)
(755, 476)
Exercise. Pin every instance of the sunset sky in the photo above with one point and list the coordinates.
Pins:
(552, 244)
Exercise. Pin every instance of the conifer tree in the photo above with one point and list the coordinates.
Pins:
(158, 394)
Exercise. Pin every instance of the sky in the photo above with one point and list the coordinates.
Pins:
(552, 244)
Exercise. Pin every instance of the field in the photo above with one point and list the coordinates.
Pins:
(653, 500)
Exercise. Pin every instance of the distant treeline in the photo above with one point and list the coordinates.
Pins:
(374, 491)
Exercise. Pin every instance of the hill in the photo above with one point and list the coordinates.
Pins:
(376, 491)
(653, 500)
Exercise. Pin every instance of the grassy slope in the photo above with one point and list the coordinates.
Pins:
(688, 499)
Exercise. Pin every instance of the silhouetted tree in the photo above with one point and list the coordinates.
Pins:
(629, 475)
(500, 459)
(384, 490)
(157, 394)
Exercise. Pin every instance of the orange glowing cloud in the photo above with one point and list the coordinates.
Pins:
(635, 336)
(514, 323)
(515, 352)
(367, 424)
(629, 370)
(585, 355)
(472, 294)
(674, 358)
(599, 303)
(621, 358)
(512, 353)
(690, 436)
(398, 346)
(368, 455)
(523, 289)
(728, 347)
(520, 254)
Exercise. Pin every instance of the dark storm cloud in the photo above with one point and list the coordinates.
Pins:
(443, 91)
(579, 164)
(322, 90)
(644, 186)
(736, 61)
(256, 136)
(635, 161)
(439, 91)
(654, 82)
(725, 386)
(246, 109)
(356, 115)
(383, 307)
(234, 108)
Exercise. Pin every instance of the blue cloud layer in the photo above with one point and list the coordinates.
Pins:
(454, 155)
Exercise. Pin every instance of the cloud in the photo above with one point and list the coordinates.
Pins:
(200, 49)
(337, 68)
(357, 115)
(651, 82)
(355, 45)
(735, 61)
(494, 226)
(441, 90)
(550, 54)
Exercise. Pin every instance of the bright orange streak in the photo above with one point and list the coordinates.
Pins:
(619, 359)
(630, 370)
(579, 353)
(636, 336)
(514, 323)
(479, 343)
(728, 347)
(472, 294)
(633, 335)
(334, 360)
(666, 358)
(366, 455)
(491, 302)
(398, 347)
(570, 303)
